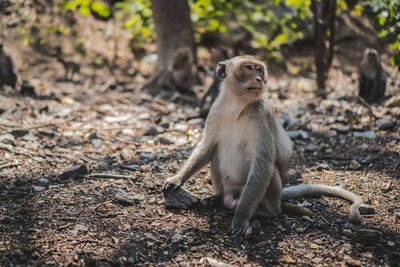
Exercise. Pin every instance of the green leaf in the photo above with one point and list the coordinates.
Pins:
(100, 9)
(84, 10)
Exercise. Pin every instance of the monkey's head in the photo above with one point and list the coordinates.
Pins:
(371, 57)
(245, 76)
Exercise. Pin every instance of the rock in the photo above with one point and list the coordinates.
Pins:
(37, 188)
(366, 209)
(368, 235)
(348, 226)
(366, 134)
(43, 181)
(124, 199)
(385, 124)
(347, 232)
(176, 238)
(298, 134)
(27, 89)
(7, 139)
(365, 160)
(179, 198)
(167, 231)
(20, 181)
(207, 261)
(131, 260)
(294, 175)
(74, 172)
(19, 133)
(393, 102)
(145, 156)
(151, 131)
(354, 165)
(165, 141)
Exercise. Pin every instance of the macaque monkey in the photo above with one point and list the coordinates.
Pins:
(70, 67)
(182, 73)
(8, 74)
(217, 55)
(248, 149)
(371, 77)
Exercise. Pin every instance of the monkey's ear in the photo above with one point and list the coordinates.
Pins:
(221, 70)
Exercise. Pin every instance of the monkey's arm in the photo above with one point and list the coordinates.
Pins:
(314, 190)
(199, 157)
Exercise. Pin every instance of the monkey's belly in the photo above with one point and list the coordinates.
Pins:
(234, 165)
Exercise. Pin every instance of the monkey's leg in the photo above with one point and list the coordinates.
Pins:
(200, 156)
(258, 182)
(270, 205)
(214, 201)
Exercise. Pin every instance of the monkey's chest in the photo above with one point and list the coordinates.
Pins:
(234, 154)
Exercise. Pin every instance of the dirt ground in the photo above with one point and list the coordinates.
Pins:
(102, 123)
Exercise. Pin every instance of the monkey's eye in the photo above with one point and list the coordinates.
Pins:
(260, 70)
(248, 66)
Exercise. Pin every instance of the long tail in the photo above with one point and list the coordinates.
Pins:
(317, 190)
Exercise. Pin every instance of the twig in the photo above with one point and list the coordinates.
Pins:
(109, 175)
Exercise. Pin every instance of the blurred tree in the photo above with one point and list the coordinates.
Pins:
(175, 45)
(324, 13)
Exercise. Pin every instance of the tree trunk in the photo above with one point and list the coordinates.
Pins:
(175, 47)
(324, 34)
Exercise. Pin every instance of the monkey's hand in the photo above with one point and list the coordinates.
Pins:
(239, 225)
(170, 185)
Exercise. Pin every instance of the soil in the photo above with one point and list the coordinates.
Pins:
(109, 210)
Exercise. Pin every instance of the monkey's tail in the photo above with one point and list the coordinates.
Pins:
(317, 190)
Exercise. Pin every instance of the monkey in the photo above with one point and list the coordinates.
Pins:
(216, 55)
(371, 77)
(70, 67)
(248, 149)
(8, 75)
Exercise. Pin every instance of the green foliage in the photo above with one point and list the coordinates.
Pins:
(271, 24)
(386, 18)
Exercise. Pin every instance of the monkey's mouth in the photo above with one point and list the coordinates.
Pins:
(254, 88)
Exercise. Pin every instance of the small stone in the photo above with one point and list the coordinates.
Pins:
(19, 133)
(124, 199)
(354, 165)
(20, 181)
(131, 260)
(294, 175)
(167, 231)
(368, 235)
(348, 232)
(43, 181)
(366, 134)
(366, 209)
(37, 188)
(281, 228)
(74, 172)
(7, 139)
(151, 131)
(348, 226)
(176, 238)
(145, 156)
(165, 141)
(298, 134)
(339, 220)
(385, 124)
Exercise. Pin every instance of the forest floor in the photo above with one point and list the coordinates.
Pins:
(102, 124)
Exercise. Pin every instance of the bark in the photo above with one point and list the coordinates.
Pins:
(175, 47)
(324, 14)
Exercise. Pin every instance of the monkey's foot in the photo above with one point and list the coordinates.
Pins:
(212, 202)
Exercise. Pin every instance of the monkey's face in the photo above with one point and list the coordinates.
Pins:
(245, 76)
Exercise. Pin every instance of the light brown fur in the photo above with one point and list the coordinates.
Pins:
(248, 148)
